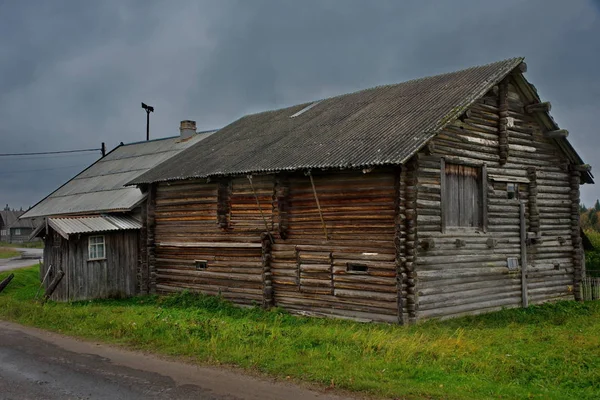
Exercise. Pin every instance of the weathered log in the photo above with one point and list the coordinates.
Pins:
(6, 281)
(557, 134)
(538, 107)
(52, 287)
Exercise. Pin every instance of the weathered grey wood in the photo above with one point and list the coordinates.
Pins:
(444, 194)
(557, 134)
(525, 300)
(53, 285)
(538, 107)
(6, 281)
(211, 244)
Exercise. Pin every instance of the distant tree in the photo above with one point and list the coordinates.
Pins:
(582, 208)
(593, 219)
(597, 205)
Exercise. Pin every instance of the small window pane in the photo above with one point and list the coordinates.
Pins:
(96, 248)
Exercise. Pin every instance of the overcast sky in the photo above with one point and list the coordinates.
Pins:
(73, 73)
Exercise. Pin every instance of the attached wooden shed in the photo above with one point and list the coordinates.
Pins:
(98, 254)
(92, 230)
(443, 196)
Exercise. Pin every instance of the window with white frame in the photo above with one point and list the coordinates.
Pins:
(17, 231)
(96, 248)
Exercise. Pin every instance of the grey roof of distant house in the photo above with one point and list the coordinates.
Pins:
(30, 223)
(100, 187)
(10, 216)
(385, 125)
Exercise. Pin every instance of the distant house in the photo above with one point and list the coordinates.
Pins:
(21, 229)
(438, 197)
(13, 229)
(92, 223)
(7, 218)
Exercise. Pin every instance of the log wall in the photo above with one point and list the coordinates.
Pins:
(116, 276)
(219, 223)
(278, 254)
(464, 271)
(310, 273)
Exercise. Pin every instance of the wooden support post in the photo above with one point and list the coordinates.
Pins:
(524, 294)
(43, 281)
(399, 242)
(282, 199)
(267, 276)
(534, 214)
(575, 178)
(53, 285)
(224, 203)
(6, 281)
(411, 238)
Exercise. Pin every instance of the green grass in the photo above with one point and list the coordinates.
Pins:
(545, 352)
(7, 252)
(38, 244)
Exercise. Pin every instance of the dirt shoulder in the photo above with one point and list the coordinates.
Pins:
(165, 378)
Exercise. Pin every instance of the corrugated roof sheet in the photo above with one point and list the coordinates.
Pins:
(102, 223)
(100, 187)
(379, 126)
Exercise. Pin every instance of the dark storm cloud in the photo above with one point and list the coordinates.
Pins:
(72, 74)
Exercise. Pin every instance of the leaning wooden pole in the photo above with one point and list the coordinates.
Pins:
(53, 285)
(6, 281)
(43, 281)
(524, 295)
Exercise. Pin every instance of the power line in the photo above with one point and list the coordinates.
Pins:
(40, 169)
(47, 152)
(48, 157)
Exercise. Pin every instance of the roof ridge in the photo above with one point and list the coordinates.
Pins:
(165, 138)
(387, 85)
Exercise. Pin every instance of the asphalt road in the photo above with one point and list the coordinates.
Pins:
(28, 257)
(35, 364)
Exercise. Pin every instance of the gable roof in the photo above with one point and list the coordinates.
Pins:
(30, 223)
(9, 217)
(385, 125)
(99, 188)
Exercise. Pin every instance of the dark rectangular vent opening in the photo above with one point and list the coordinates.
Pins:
(201, 265)
(357, 268)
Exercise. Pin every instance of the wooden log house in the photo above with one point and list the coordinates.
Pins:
(438, 197)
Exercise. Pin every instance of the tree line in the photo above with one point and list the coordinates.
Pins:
(590, 217)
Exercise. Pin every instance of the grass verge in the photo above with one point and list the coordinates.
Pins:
(547, 352)
(37, 244)
(7, 252)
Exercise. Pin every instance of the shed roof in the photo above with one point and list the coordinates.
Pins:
(67, 226)
(385, 125)
(99, 188)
